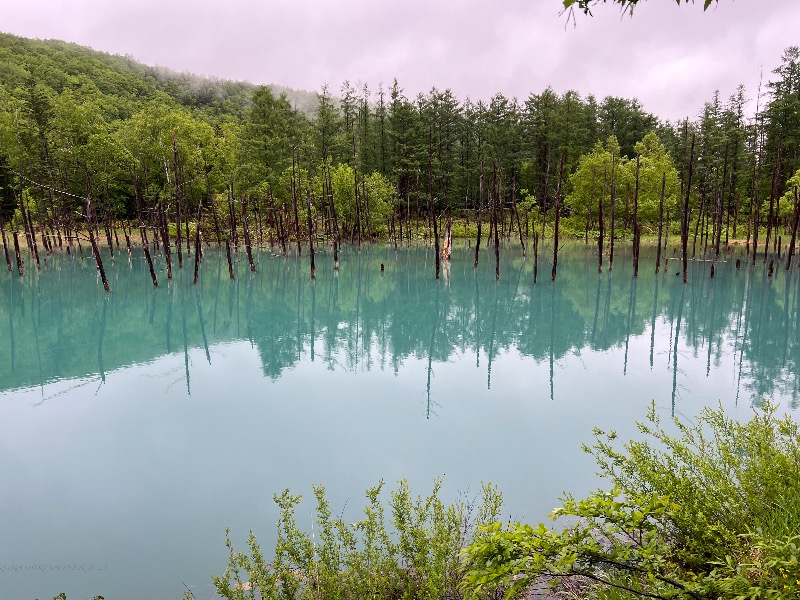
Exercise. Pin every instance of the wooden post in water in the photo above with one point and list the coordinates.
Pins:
(535, 255)
(432, 203)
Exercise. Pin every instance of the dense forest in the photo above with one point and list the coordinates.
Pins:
(94, 147)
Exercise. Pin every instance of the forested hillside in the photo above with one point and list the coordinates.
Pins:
(148, 147)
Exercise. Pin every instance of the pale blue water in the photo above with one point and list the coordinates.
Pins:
(136, 427)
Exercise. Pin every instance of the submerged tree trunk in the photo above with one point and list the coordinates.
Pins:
(92, 240)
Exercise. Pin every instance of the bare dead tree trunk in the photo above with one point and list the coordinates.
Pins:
(5, 243)
(246, 232)
(495, 225)
(660, 221)
(198, 250)
(92, 240)
(558, 215)
(228, 253)
(636, 222)
(794, 230)
(613, 210)
(601, 227)
(480, 216)
(143, 229)
(685, 216)
(165, 239)
(310, 236)
(20, 266)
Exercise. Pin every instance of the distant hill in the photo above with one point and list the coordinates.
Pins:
(123, 80)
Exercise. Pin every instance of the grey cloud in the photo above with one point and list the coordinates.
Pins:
(671, 58)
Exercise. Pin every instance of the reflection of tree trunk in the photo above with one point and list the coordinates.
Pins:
(168, 334)
(596, 311)
(653, 323)
(313, 319)
(631, 318)
(100, 339)
(430, 352)
(477, 323)
(185, 345)
(492, 336)
(675, 349)
(202, 322)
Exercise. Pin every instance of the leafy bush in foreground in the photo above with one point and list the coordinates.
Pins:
(415, 555)
(710, 512)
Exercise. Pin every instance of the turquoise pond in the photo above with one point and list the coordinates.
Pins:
(136, 426)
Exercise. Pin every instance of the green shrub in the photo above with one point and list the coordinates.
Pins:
(415, 555)
(710, 512)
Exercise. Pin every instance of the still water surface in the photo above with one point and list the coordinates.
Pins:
(136, 427)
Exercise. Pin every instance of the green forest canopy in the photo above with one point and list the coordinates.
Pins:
(79, 121)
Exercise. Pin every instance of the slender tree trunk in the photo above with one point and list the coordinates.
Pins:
(246, 233)
(480, 216)
(20, 267)
(198, 250)
(98, 259)
(5, 243)
(660, 221)
(794, 231)
(310, 236)
(685, 216)
(601, 226)
(613, 212)
(165, 239)
(228, 254)
(558, 215)
(495, 202)
(295, 191)
(636, 222)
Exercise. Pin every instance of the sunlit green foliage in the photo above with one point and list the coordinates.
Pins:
(708, 512)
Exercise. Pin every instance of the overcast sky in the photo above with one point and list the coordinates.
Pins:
(671, 58)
